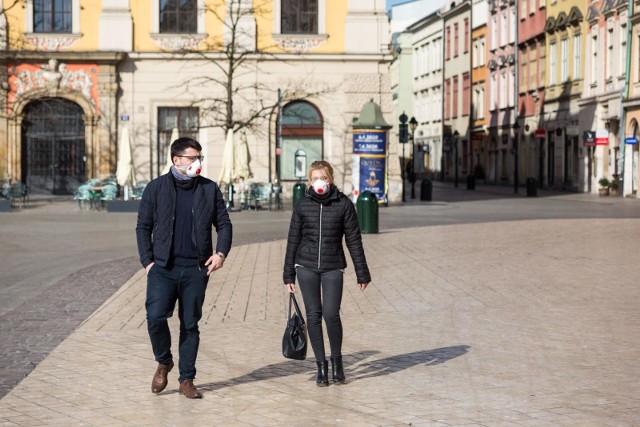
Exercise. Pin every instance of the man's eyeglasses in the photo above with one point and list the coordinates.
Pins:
(193, 158)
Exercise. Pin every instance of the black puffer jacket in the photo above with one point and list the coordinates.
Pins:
(315, 236)
(157, 212)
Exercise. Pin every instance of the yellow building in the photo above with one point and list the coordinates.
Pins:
(81, 73)
(565, 28)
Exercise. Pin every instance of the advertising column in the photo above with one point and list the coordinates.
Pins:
(369, 163)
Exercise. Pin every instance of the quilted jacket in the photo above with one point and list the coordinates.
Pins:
(316, 233)
(154, 230)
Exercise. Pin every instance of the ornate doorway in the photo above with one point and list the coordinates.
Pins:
(53, 146)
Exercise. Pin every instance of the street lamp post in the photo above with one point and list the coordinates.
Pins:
(413, 124)
(403, 136)
(516, 129)
(455, 157)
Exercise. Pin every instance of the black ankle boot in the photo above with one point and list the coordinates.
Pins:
(336, 370)
(323, 374)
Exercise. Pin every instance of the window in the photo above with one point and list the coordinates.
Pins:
(447, 99)
(52, 16)
(183, 120)
(609, 53)
(299, 16)
(512, 26)
(511, 90)
(503, 29)
(494, 32)
(623, 49)
(455, 97)
(533, 64)
(178, 16)
(523, 77)
(466, 93)
(493, 88)
(552, 63)
(448, 42)
(481, 102)
(474, 54)
(564, 60)
(466, 35)
(302, 129)
(503, 90)
(594, 57)
(542, 64)
(456, 40)
(482, 51)
(577, 49)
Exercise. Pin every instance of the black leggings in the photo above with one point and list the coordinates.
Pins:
(322, 294)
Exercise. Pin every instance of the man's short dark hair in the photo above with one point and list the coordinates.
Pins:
(181, 144)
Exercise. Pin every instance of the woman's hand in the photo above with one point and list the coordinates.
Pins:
(291, 287)
(363, 286)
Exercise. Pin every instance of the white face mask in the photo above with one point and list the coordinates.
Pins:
(193, 169)
(320, 186)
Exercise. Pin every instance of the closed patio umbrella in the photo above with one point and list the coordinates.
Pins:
(124, 171)
(243, 158)
(228, 171)
(174, 136)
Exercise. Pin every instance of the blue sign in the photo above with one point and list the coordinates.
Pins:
(632, 140)
(372, 174)
(124, 117)
(367, 142)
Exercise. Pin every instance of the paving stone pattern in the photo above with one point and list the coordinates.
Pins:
(505, 323)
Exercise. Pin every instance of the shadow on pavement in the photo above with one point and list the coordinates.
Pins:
(356, 366)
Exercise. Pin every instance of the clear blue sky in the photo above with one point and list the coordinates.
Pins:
(392, 2)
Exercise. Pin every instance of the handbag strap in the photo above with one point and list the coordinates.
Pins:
(292, 298)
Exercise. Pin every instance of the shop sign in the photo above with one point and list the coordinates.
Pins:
(602, 137)
(632, 140)
(589, 137)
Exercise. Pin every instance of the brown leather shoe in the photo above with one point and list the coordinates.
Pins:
(159, 381)
(189, 390)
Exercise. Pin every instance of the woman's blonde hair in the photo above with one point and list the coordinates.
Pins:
(321, 165)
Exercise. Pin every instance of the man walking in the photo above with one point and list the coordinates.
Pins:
(174, 237)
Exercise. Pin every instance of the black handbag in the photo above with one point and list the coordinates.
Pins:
(294, 340)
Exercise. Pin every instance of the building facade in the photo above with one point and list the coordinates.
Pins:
(428, 63)
(160, 69)
(531, 84)
(605, 70)
(479, 73)
(502, 27)
(457, 89)
(631, 104)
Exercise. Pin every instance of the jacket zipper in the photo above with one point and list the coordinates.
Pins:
(320, 237)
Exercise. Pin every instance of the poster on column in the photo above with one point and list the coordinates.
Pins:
(372, 174)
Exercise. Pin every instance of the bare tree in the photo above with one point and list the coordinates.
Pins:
(234, 97)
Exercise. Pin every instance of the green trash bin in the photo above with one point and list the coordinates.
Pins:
(367, 209)
(426, 190)
(299, 191)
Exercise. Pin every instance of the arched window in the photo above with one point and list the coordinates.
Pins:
(302, 130)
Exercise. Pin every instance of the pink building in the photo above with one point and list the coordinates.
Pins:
(502, 29)
(531, 58)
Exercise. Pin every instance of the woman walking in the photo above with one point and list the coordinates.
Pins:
(315, 255)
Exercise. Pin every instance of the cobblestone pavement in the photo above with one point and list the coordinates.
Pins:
(531, 322)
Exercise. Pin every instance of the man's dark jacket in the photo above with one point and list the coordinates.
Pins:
(316, 232)
(156, 214)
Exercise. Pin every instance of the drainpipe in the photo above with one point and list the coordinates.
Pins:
(625, 96)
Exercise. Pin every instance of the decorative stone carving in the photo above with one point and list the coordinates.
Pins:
(54, 76)
(178, 42)
(298, 44)
(51, 43)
